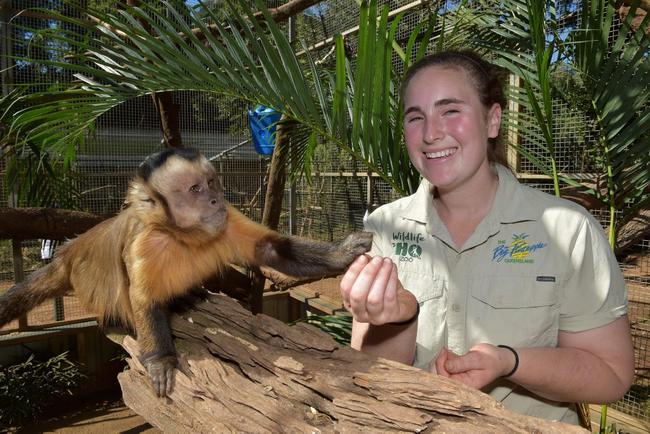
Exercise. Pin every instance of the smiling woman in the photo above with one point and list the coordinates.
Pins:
(529, 303)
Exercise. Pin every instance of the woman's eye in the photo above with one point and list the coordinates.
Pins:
(451, 112)
(413, 119)
(195, 188)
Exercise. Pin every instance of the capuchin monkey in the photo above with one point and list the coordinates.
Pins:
(174, 231)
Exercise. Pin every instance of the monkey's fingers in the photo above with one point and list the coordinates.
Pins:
(354, 245)
(169, 385)
(161, 372)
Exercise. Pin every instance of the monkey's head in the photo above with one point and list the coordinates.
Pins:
(178, 188)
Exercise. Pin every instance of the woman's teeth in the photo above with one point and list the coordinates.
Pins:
(441, 154)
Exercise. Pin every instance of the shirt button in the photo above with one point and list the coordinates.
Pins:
(455, 307)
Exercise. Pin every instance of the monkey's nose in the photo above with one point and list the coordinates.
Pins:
(213, 202)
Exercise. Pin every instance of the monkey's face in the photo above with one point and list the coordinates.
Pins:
(193, 195)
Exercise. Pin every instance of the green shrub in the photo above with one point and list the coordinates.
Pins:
(337, 326)
(26, 388)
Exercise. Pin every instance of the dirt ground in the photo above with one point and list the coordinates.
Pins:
(106, 413)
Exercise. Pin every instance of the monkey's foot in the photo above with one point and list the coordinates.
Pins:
(161, 372)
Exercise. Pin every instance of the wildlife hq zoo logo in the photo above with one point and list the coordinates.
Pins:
(519, 250)
(407, 246)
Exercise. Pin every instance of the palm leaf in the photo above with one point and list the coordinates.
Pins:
(617, 78)
(525, 41)
(243, 58)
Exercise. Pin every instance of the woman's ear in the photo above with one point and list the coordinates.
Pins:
(494, 120)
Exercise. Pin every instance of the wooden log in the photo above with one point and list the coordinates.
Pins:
(48, 223)
(245, 373)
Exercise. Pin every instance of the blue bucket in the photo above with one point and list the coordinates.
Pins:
(261, 121)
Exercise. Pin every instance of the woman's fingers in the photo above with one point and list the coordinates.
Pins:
(369, 290)
(375, 299)
(350, 277)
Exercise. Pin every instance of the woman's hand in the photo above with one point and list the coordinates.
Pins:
(483, 364)
(373, 294)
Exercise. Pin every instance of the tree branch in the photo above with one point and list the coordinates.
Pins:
(47, 223)
(245, 373)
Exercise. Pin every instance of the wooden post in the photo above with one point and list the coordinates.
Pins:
(19, 274)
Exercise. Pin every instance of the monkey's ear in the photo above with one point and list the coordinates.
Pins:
(140, 196)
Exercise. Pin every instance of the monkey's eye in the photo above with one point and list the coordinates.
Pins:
(210, 183)
(196, 188)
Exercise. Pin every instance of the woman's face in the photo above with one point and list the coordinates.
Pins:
(446, 127)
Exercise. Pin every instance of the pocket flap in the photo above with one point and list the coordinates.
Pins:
(514, 292)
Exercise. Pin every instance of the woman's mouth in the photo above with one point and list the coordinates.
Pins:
(440, 154)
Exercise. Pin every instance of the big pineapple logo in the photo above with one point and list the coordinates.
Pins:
(520, 250)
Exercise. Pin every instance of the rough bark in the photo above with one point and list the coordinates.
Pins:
(290, 8)
(245, 373)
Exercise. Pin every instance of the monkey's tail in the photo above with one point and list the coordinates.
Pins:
(46, 282)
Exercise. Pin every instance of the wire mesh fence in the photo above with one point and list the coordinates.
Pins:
(327, 206)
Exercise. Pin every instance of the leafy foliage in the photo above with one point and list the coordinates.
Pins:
(609, 69)
(33, 176)
(352, 104)
(337, 326)
(235, 56)
(26, 388)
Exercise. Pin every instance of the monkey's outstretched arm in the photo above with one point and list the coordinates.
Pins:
(306, 258)
(256, 244)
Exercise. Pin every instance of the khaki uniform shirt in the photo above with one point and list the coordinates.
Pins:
(535, 265)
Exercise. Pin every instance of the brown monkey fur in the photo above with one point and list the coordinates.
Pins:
(174, 231)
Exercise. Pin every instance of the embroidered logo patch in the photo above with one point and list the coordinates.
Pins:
(520, 250)
(407, 246)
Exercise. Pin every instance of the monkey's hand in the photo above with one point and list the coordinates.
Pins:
(351, 247)
(161, 371)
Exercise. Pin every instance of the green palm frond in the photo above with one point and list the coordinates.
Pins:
(616, 79)
(339, 327)
(142, 51)
(34, 178)
(525, 41)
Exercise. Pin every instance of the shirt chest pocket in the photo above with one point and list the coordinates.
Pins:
(429, 290)
(518, 311)
(423, 286)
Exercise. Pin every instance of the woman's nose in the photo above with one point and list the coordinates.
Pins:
(432, 131)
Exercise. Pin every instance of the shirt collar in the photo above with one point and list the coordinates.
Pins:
(419, 207)
(511, 204)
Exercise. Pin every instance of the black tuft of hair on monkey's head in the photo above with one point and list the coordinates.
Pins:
(154, 161)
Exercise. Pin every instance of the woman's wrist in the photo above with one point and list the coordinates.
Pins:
(515, 365)
(410, 320)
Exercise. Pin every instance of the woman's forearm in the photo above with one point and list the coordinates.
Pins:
(392, 342)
